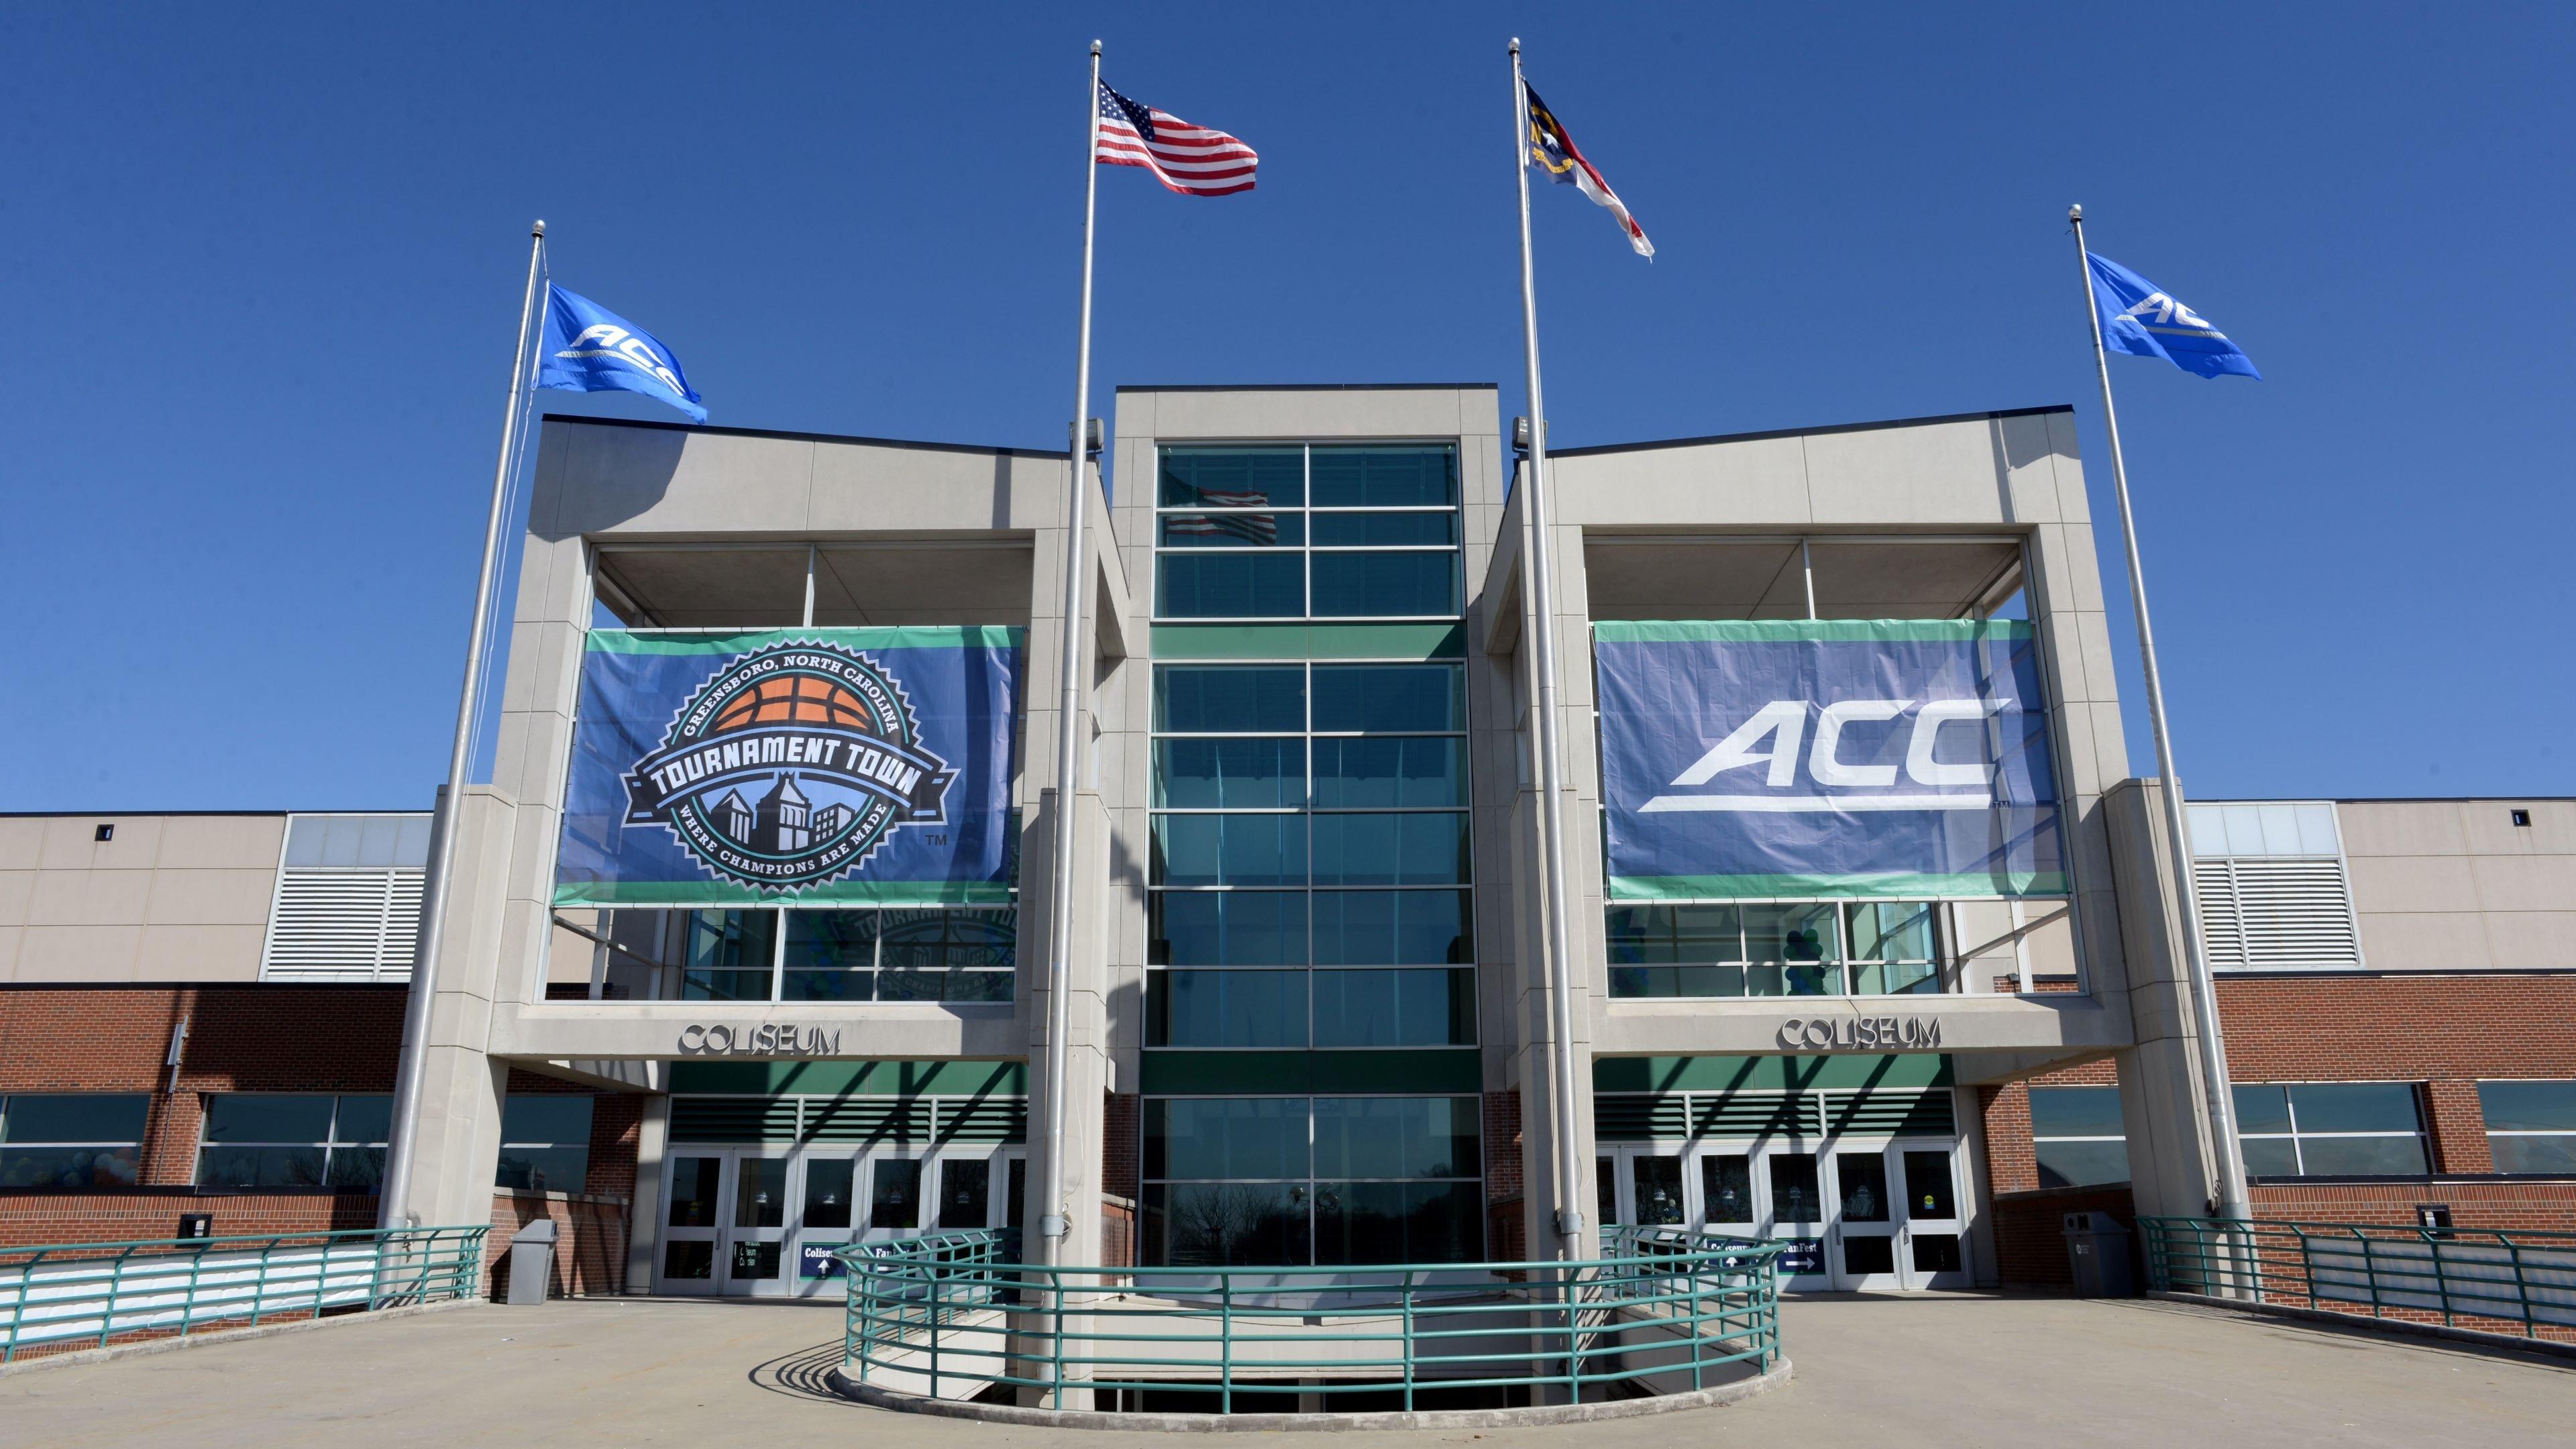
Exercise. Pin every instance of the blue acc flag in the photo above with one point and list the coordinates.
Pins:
(589, 348)
(2143, 320)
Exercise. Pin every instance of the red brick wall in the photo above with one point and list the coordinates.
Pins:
(2004, 1110)
(590, 1241)
(30, 1217)
(1502, 1145)
(2030, 1231)
(2510, 1204)
(1121, 1144)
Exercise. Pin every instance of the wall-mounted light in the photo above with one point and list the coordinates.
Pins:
(108, 832)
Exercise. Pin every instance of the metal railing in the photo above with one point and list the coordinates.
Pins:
(64, 1293)
(953, 1315)
(2479, 1278)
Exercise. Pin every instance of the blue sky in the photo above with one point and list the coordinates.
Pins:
(258, 268)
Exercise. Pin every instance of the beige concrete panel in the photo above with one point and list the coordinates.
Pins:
(71, 843)
(1929, 473)
(2101, 667)
(1755, 482)
(1318, 415)
(89, 898)
(2111, 762)
(860, 487)
(2425, 941)
(2070, 574)
(22, 842)
(78, 953)
(2536, 939)
(10, 936)
(17, 890)
(636, 481)
(195, 842)
(2491, 831)
(200, 953)
(2383, 884)
(2401, 827)
(1967, 1023)
(554, 580)
(210, 897)
(2526, 882)
(2069, 672)
(2028, 459)
(2074, 503)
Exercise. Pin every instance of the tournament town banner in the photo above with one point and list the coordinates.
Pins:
(1849, 757)
(860, 765)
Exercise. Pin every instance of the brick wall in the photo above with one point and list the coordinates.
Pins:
(2030, 1231)
(1121, 1142)
(32, 1216)
(590, 1240)
(2505, 1203)
(1502, 1145)
(2004, 1110)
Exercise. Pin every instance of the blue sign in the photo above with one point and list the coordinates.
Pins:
(815, 1260)
(1851, 757)
(1802, 1255)
(860, 765)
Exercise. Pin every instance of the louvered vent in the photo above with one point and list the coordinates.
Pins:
(1638, 1117)
(2275, 914)
(990, 1119)
(1892, 1114)
(343, 925)
(733, 1119)
(1758, 1114)
(868, 1119)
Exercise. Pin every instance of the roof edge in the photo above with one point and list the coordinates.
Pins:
(1808, 432)
(655, 425)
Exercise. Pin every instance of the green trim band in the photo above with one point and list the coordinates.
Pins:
(1310, 641)
(1774, 631)
(851, 1079)
(1768, 1074)
(1324, 1073)
(1888, 886)
(682, 894)
(920, 636)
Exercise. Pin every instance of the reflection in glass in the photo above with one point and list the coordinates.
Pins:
(1656, 1182)
(1794, 1195)
(1726, 1188)
(1229, 774)
(1225, 928)
(1230, 1224)
(894, 1193)
(1928, 1190)
(1862, 1181)
(759, 1192)
(693, 1191)
(827, 1191)
(965, 1192)
(1395, 1008)
(1225, 1009)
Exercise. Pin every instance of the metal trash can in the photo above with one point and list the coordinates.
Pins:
(2097, 1249)
(532, 1263)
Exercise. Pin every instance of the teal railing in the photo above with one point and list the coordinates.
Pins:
(66, 1293)
(2481, 1278)
(955, 1315)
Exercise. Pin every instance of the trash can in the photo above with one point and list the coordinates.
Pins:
(532, 1263)
(2097, 1249)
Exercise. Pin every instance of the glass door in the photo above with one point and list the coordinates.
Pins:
(829, 1205)
(1867, 1221)
(966, 1195)
(1792, 1203)
(1936, 1240)
(755, 1235)
(1726, 1194)
(893, 1204)
(1641, 1187)
(694, 1187)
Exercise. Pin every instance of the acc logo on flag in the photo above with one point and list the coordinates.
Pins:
(619, 343)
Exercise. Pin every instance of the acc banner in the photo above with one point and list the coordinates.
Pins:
(1869, 757)
(864, 765)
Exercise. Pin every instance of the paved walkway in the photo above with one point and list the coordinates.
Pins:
(1879, 1372)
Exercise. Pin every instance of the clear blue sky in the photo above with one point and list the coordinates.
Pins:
(258, 268)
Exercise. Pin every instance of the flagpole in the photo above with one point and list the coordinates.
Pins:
(1560, 955)
(1051, 1224)
(393, 1206)
(2233, 1200)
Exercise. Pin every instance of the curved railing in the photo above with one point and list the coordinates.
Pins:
(2487, 1279)
(955, 1316)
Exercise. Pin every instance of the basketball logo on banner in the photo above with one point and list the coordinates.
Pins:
(790, 765)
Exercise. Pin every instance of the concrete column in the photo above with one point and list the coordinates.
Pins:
(2162, 1104)
(458, 1147)
(644, 1227)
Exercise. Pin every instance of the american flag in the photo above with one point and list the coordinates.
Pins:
(1191, 160)
(1251, 527)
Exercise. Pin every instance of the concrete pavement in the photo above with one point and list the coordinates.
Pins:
(1942, 1370)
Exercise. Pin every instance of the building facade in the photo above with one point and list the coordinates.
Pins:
(1307, 1013)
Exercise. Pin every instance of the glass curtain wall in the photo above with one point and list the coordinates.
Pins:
(1249, 1181)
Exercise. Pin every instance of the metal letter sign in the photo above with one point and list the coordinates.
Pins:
(862, 765)
(1849, 757)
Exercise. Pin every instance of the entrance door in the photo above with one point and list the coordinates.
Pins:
(693, 1202)
(1642, 1187)
(755, 1234)
(893, 1204)
(1936, 1241)
(829, 1202)
(1867, 1220)
(1789, 1185)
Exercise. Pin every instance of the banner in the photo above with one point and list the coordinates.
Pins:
(861, 765)
(1843, 757)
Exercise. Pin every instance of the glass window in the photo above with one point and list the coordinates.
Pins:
(286, 1139)
(545, 1142)
(358, 842)
(1238, 535)
(1861, 948)
(1390, 698)
(1395, 1008)
(1230, 698)
(1225, 1009)
(2078, 1136)
(1407, 771)
(1392, 928)
(2331, 1129)
(1408, 849)
(1726, 1189)
(728, 956)
(72, 1139)
(1230, 774)
(1253, 1180)
(1228, 928)
(1229, 850)
(894, 1193)
(2531, 1126)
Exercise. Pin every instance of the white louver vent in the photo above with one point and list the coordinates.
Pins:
(2276, 914)
(343, 925)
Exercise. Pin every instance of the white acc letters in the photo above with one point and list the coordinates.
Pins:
(1771, 738)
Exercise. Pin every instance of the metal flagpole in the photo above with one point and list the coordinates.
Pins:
(393, 1205)
(1051, 1224)
(1560, 954)
(2232, 1198)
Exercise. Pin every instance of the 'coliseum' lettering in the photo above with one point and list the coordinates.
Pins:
(1861, 1033)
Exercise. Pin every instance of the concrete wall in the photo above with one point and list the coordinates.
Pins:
(170, 898)
(2455, 885)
